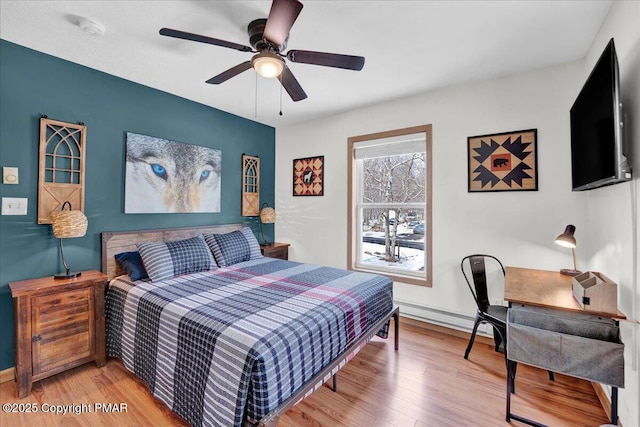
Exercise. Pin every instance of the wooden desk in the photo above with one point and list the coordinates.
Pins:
(544, 288)
(548, 289)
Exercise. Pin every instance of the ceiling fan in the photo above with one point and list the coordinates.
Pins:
(269, 37)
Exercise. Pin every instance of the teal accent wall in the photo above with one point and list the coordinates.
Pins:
(33, 84)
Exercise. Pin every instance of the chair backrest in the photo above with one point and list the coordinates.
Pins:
(474, 270)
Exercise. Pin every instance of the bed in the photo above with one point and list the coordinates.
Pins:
(243, 342)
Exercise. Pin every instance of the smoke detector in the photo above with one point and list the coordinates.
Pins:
(91, 27)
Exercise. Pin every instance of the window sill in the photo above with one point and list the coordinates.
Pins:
(411, 280)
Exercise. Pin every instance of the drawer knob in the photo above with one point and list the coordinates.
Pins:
(36, 337)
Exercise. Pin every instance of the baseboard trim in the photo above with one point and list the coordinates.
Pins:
(7, 375)
(407, 320)
(437, 316)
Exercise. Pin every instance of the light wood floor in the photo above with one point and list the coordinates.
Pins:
(426, 383)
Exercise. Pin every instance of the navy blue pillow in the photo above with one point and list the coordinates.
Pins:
(131, 262)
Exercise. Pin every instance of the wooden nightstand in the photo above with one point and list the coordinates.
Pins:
(276, 250)
(59, 325)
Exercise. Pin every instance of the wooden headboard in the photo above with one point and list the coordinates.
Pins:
(114, 242)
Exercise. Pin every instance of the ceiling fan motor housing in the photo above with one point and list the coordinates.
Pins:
(256, 35)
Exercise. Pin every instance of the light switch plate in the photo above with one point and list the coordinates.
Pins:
(9, 175)
(14, 206)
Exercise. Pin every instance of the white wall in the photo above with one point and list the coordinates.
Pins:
(517, 227)
(612, 221)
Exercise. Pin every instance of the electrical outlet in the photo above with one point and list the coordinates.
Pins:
(14, 206)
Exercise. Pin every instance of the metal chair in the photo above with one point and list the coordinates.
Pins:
(495, 315)
(474, 270)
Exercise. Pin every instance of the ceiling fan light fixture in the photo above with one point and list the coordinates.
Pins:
(268, 65)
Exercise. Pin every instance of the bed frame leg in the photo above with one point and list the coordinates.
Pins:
(396, 327)
(334, 388)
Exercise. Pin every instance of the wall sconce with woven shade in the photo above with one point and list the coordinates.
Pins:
(567, 240)
(267, 216)
(68, 224)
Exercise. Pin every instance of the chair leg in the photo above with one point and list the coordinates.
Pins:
(497, 338)
(551, 376)
(473, 337)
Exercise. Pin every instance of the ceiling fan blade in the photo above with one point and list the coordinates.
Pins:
(282, 15)
(231, 72)
(348, 62)
(204, 39)
(291, 85)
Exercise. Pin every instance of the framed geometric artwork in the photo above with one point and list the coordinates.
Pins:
(308, 176)
(505, 161)
(164, 176)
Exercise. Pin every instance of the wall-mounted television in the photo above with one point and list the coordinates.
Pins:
(597, 152)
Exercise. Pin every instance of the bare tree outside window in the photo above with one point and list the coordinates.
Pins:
(393, 180)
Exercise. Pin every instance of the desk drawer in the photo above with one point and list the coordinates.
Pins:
(576, 344)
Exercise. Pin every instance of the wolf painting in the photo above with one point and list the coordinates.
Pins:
(164, 176)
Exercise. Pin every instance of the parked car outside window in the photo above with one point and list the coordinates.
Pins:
(419, 229)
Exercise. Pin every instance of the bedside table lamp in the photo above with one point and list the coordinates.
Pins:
(567, 240)
(68, 224)
(267, 216)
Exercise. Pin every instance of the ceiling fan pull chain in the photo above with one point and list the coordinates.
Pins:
(280, 99)
(255, 114)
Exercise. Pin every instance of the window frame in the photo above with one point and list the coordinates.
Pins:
(354, 228)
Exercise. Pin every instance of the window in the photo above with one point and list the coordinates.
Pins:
(389, 221)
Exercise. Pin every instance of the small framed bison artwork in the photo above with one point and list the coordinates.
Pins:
(308, 176)
(505, 161)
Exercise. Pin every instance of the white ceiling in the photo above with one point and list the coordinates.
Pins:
(409, 46)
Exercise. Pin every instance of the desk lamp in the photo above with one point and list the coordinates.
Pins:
(567, 240)
(68, 224)
(267, 216)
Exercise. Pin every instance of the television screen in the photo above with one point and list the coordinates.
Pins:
(596, 151)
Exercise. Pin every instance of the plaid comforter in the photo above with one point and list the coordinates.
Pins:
(232, 344)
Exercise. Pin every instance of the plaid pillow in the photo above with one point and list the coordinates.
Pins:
(167, 259)
(232, 248)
